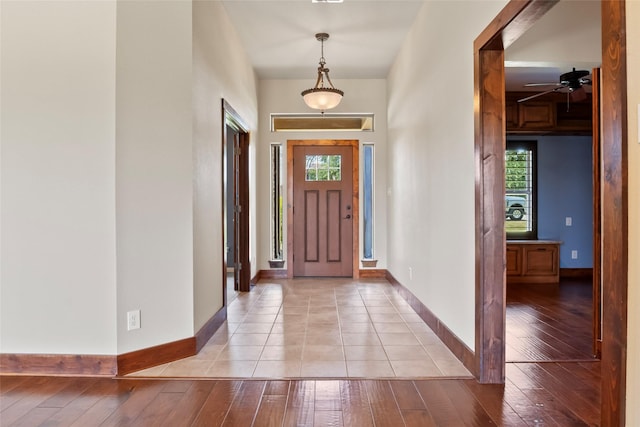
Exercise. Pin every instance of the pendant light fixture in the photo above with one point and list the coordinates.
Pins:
(321, 97)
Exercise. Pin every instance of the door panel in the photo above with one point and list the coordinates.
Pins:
(322, 211)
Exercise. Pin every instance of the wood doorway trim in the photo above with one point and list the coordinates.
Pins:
(355, 146)
(490, 131)
(240, 199)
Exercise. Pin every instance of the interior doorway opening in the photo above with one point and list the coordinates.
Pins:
(235, 202)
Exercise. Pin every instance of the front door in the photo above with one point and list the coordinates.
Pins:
(323, 210)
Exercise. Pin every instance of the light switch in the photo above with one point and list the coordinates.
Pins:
(568, 221)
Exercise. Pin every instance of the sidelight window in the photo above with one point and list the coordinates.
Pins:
(276, 202)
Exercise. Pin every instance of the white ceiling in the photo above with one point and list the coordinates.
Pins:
(366, 35)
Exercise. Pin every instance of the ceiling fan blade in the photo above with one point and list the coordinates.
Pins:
(542, 84)
(538, 94)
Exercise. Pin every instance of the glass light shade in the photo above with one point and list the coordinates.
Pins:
(322, 98)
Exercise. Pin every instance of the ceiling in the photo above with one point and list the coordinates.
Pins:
(366, 35)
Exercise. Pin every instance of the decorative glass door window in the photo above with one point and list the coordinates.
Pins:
(323, 167)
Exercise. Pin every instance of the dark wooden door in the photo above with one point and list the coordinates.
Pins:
(323, 211)
(241, 213)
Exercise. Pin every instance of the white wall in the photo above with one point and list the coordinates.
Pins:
(154, 172)
(564, 35)
(58, 286)
(283, 96)
(633, 99)
(431, 160)
(220, 70)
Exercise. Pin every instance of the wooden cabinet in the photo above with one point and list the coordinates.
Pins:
(547, 114)
(533, 261)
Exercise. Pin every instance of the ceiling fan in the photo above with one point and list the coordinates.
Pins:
(570, 83)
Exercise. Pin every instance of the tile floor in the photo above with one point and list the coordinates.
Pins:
(319, 328)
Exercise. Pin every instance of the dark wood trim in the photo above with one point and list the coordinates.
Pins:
(615, 232)
(272, 274)
(455, 344)
(596, 150)
(157, 355)
(355, 150)
(242, 231)
(490, 231)
(255, 279)
(512, 21)
(210, 327)
(576, 273)
(58, 364)
(490, 134)
(614, 194)
(373, 273)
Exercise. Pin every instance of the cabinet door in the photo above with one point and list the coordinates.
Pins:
(536, 115)
(514, 260)
(540, 260)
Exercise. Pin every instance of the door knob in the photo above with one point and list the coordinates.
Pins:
(347, 217)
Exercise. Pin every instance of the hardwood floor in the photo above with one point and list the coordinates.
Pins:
(546, 324)
(549, 322)
(535, 394)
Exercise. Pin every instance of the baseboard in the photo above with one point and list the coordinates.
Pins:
(58, 364)
(373, 273)
(257, 277)
(273, 274)
(208, 329)
(157, 355)
(457, 347)
(576, 273)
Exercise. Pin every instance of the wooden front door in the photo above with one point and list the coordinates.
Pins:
(323, 211)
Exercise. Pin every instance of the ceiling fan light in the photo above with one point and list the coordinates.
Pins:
(322, 98)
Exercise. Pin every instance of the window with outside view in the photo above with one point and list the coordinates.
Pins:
(520, 190)
(323, 167)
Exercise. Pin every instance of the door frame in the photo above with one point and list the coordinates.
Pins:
(355, 147)
(242, 273)
(490, 135)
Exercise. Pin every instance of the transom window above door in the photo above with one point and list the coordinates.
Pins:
(323, 167)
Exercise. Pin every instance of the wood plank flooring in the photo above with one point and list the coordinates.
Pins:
(549, 322)
(550, 394)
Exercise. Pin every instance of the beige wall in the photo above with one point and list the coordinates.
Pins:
(154, 211)
(111, 174)
(58, 284)
(430, 159)
(633, 99)
(220, 70)
(283, 96)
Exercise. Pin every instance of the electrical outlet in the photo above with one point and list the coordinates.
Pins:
(574, 254)
(568, 221)
(133, 320)
(410, 273)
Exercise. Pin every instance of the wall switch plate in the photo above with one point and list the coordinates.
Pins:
(133, 320)
(574, 254)
(568, 221)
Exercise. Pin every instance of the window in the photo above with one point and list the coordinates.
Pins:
(323, 168)
(520, 190)
(367, 207)
(276, 202)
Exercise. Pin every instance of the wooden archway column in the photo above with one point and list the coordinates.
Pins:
(490, 135)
